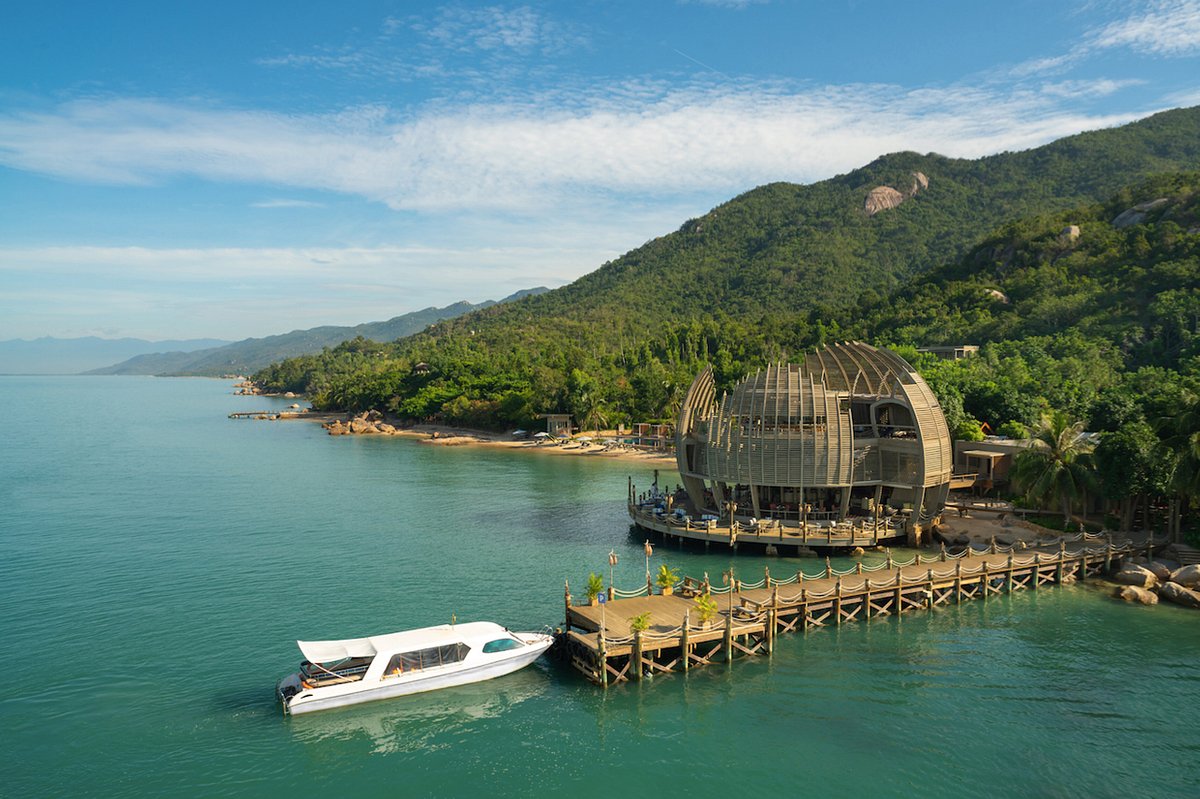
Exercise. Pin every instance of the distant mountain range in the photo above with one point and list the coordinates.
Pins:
(252, 354)
(50, 356)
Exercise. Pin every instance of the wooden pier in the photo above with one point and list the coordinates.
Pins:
(598, 641)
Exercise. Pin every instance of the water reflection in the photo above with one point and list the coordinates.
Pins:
(423, 721)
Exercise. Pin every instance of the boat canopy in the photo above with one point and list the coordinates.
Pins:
(443, 634)
(333, 651)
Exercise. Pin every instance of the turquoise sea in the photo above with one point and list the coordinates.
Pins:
(158, 561)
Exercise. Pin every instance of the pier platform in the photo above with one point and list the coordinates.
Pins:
(598, 641)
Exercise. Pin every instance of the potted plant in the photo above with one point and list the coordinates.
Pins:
(595, 586)
(666, 579)
(640, 623)
(706, 609)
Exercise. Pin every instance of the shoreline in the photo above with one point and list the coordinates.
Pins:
(450, 436)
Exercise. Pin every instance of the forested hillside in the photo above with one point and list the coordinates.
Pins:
(785, 267)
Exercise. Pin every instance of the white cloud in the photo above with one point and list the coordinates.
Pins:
(1169, 28)
(639, 140)
(1165, 28)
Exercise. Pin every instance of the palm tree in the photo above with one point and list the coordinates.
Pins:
(1181, 436)
(1057, 466)
(595, 413)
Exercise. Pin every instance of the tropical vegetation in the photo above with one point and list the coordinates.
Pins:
(1075, 267)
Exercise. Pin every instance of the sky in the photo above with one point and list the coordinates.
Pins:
(233, 169)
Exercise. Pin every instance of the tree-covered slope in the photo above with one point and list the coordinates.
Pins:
(763, 276)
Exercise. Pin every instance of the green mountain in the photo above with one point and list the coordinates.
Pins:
(769, 273)
(249, 355)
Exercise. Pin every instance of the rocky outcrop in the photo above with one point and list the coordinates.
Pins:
(997, 294)
(1174, 592)
(1137, 214)
(881, 198)
(1132, 574)
(1187, 576)
(1162, 568)
(1131, 593)
(368, 423)
(1069, 235)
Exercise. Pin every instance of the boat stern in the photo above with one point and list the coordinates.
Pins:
(287, 688)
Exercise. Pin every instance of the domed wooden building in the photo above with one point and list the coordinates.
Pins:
(852, 429)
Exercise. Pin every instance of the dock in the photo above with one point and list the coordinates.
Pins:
(598, 641)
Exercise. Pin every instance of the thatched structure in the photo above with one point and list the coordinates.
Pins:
(853, 429)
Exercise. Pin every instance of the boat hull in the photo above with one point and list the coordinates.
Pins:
(355, 693)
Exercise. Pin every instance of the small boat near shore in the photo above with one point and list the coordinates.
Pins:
(338, 673)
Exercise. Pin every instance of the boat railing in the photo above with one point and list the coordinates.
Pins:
(319, 675)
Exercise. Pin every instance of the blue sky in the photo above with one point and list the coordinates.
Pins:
(175, 170)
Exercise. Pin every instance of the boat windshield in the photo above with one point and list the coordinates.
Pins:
(502, 645)
(425, 659)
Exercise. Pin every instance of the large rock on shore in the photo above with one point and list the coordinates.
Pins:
(1132, 574)
(1187, 576)
(1173, 592)
(1131, 593)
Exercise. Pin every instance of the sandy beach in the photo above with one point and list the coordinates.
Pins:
(448, 436)
(457, 436)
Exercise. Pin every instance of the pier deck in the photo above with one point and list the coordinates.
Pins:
(598, 641)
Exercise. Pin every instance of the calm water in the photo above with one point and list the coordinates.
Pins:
(157, 562)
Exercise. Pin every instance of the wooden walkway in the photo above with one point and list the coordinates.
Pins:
(752, 615)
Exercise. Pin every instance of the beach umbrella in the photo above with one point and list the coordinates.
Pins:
(542, 434)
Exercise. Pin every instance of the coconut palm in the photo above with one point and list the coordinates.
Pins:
(1057, 466)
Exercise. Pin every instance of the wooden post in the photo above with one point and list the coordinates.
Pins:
(867, 598)
(1062, 556)
(899, 609)
(987, 584)
(804, 608)
(993, 545)
(888, 550)
(729, 637)
(684, 654)
(828, 568)
(837, 602)
(770, 620)
(767, 576)
(943, 552)
(858, 569)
(1037, 569)
(567, 602)
(958, 582)
(635, 667)
(1008, 580)
(929, 587)
(1108, 556)
(602, 653)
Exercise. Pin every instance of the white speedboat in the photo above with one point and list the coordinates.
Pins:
(337, 673)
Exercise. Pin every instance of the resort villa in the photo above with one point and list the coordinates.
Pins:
(852, 433)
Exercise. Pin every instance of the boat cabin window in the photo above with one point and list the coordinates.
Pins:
(502, 645)
(425, 659)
